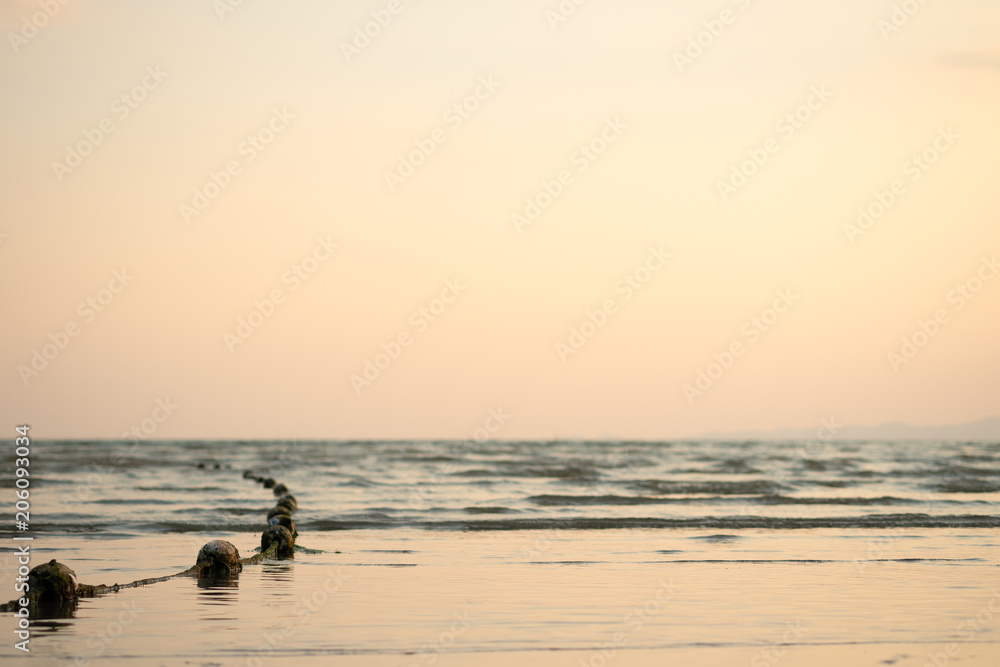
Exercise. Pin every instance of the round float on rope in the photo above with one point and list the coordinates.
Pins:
(288, 500)
(275, 511)
(219, 557)
(282, 520)
(278, 535)
(51, 582)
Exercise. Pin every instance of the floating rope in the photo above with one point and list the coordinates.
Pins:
(53, 583)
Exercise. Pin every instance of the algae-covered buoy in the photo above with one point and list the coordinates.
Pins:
(280, 489)
(278, 535)
(288, 500)
(283, 520)
(219, 557)
(52, 582)
(275, 511)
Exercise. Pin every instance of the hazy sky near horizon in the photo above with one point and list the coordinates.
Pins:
(310, 132)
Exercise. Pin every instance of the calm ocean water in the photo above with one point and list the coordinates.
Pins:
(449, 553)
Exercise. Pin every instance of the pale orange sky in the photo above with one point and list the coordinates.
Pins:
(314, 186)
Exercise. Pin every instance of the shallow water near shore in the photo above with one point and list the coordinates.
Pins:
(450, 554)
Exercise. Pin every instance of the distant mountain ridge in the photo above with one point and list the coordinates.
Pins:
(980, 430)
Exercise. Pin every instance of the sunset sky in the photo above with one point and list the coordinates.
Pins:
(225, 158)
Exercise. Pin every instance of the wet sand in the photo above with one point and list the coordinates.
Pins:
(410, 598)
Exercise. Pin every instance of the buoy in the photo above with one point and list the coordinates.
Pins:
(275, 511)
(283, 520)
(219, 557)
(280, 489)
(288, 500)
(51, 582)
(279, 536)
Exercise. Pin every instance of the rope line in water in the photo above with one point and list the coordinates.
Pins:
(53, 583)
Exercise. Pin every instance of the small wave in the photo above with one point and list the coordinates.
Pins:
(750, 487)
(367, 516)
(788, 500)
(74, 526)
(180, 489)
(717, 523)
(977, 458)
(487, 510)
(429, 458)
(176, 527)
(570, 472)
(242, 511)
(936, 471)
(966, 486)
(358, 482)
(735, 467)
(969, 471)
(717, 538)
(565, 472)
(551, 500)
(132, 501)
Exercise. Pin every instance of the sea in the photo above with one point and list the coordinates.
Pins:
(563, 553)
